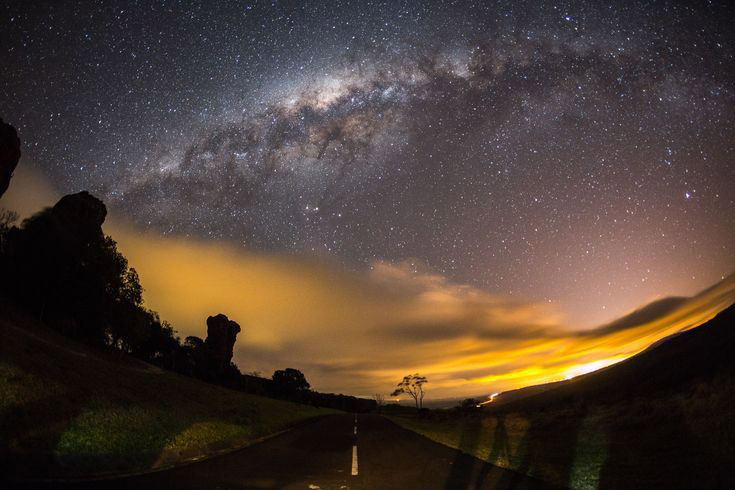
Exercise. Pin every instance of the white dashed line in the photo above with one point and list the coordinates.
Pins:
(354, 450)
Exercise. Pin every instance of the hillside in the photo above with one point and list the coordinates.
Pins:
(671, 365)
(69, 410)
(661, 419)
(510, 396)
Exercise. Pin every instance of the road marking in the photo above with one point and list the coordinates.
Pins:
(355, 429)
(354, 460)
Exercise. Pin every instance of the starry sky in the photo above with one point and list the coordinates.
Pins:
(579, 155)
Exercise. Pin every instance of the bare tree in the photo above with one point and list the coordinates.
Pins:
(413, 385)
(379, 401)
(7, 220)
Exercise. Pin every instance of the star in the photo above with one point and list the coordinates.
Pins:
(508, 152)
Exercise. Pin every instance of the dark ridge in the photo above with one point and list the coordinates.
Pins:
(645, 314)
(697, 355)
(9, 154)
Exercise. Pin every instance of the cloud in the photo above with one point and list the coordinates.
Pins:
(29, 190)
(360, 332)
(647, 314)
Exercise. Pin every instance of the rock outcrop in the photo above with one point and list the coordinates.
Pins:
(9, 154)
(221, 335)
(80, 216)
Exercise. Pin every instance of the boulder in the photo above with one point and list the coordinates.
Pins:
(81, 215)
(221, 335)
(61, 232)
(9, 154)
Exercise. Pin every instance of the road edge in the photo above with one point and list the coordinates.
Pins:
(166, 467)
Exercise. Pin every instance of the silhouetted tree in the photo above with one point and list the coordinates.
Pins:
(61, 267)
(160, 344)
(290, 383)
(7, 220)
(413, 385)
(469, 405)
(379, 401)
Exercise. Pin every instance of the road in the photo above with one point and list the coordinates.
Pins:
(336, 452)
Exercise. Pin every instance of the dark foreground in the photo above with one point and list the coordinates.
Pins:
(320, 455)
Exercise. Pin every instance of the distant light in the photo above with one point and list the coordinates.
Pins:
(490, 400)
(581, 369)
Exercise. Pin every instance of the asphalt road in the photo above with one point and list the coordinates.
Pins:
(326, 455)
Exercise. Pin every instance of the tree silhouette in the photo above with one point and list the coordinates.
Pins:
(468, 405)
(61, 268)
(290, 382)
(7, 220)
(379, 401)
(413, 385)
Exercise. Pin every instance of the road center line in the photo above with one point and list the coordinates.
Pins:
(354, 460)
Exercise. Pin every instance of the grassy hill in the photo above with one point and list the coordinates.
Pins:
(68, 410)
(661, 419)
(672, 365)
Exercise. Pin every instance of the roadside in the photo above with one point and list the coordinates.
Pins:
(68, 411)
(324, 455)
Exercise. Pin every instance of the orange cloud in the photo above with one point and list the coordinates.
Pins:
(29, 191)
(360, 332)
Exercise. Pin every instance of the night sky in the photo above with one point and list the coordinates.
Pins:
(574, 153)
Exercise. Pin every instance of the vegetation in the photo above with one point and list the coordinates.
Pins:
(412, 385)
(75, 398)
(290, 382)
(681, 441)
(60, 268)
(67, 409)
(662, 419)
(379, 399)
(63, 270)
(7, 220)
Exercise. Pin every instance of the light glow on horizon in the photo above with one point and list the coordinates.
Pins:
(361, 332)
(575, 371)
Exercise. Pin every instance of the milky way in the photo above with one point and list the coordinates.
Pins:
(572, 153)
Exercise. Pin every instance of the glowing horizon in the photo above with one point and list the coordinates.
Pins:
(360, 332)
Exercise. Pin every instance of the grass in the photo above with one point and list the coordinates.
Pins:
(70, 411)
(663, 418)
(685, 440)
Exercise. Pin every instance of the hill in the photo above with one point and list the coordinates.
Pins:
(68, 410)
(660, 419)
(510, 396)
(671, 365)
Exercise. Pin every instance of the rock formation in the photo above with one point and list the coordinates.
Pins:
(9, 154)
(80, 216)
(221, 334)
